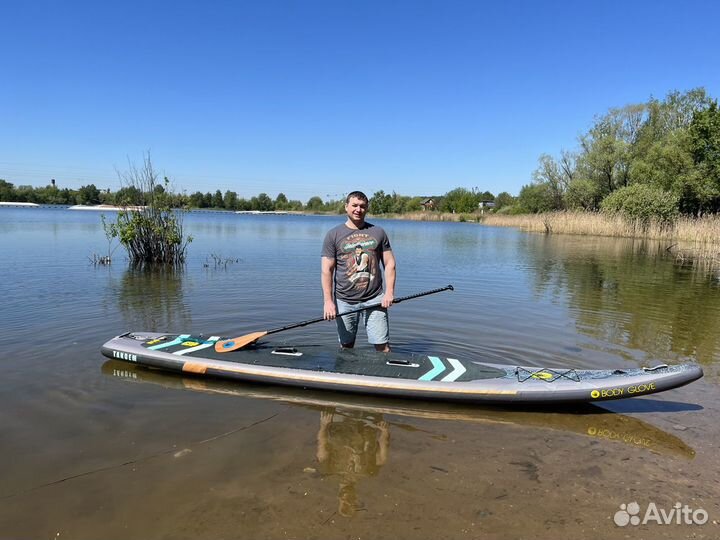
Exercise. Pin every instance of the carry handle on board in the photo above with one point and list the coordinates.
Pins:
(233, 344)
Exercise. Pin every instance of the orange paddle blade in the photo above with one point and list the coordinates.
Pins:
(228, 345)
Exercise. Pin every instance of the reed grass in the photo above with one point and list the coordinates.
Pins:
(687, 237)
(434, 216)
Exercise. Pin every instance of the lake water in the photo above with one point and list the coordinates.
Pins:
(100, 449)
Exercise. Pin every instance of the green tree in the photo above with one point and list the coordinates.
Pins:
(88, 195)
(26, 193)
(197, 200)
(414, 204)
(230, 200)
(7, 191)
(52, 195)
(335, 206)
(380, 203)
(262, 202)
(400, 204)
(66, 196)
(503, 199)
(704, 146)
(557, 175)
(129, 196)
(582, 194)
(664, 163)
(217, 200)
(281, 202)
(460, 200)
(659, 143)
(314, 204)
(535, 198)
(642, 203)
(607, 148)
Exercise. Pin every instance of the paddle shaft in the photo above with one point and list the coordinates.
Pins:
(395, 301)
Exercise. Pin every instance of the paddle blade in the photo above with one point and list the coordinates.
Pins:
(233, 344)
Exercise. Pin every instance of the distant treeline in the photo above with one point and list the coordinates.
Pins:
(457, 200)
(655, 160)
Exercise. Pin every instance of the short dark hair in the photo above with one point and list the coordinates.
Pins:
(357, 195)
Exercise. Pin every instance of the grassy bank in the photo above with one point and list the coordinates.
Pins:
(688, 237)
(433, 216)
(691, 238)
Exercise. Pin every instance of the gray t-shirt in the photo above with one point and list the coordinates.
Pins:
(358, 255)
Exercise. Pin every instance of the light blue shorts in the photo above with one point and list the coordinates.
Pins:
(376, 322)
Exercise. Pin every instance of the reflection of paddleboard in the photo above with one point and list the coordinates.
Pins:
(399, 375)
(587, 419)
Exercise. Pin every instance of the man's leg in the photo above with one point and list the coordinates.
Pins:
(347, 325)
(378, 329)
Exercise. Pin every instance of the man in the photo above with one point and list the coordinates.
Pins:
(351, 277)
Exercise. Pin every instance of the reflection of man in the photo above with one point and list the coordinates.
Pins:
(352, 446)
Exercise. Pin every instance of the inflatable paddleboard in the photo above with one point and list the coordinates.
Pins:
(399, 375)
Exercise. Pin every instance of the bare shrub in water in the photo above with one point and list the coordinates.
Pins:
(152, 232)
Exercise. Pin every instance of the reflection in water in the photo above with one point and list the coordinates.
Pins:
(631, 293)
(151, 299)
(362, 417)
(351, 445)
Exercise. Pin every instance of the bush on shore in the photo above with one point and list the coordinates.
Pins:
(643, 203)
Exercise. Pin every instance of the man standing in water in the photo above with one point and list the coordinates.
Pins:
(352, 254)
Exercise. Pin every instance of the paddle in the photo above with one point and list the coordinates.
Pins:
(233, 344)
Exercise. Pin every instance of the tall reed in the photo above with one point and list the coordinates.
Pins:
(696, 236)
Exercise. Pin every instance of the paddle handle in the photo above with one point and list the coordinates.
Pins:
(395, 301)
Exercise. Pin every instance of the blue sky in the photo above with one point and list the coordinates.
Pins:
(324, 97)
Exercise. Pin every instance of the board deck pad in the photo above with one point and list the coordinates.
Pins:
(330, 359)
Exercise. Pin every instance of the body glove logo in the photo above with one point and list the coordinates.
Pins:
(679, 514)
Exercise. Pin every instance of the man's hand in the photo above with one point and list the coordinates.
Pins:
(329, 310)
(387, 300)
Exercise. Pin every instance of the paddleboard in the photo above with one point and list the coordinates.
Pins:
(399, 375)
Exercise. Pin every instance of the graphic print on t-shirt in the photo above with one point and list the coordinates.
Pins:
(361, 263)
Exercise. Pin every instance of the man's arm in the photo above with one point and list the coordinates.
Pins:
(326, 278)
(389, 264)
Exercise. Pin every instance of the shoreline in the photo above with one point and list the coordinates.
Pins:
(688, 238)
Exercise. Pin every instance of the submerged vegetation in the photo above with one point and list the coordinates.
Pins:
(219, 261)
(149, 226)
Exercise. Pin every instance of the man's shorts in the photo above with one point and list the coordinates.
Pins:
(376, 322)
